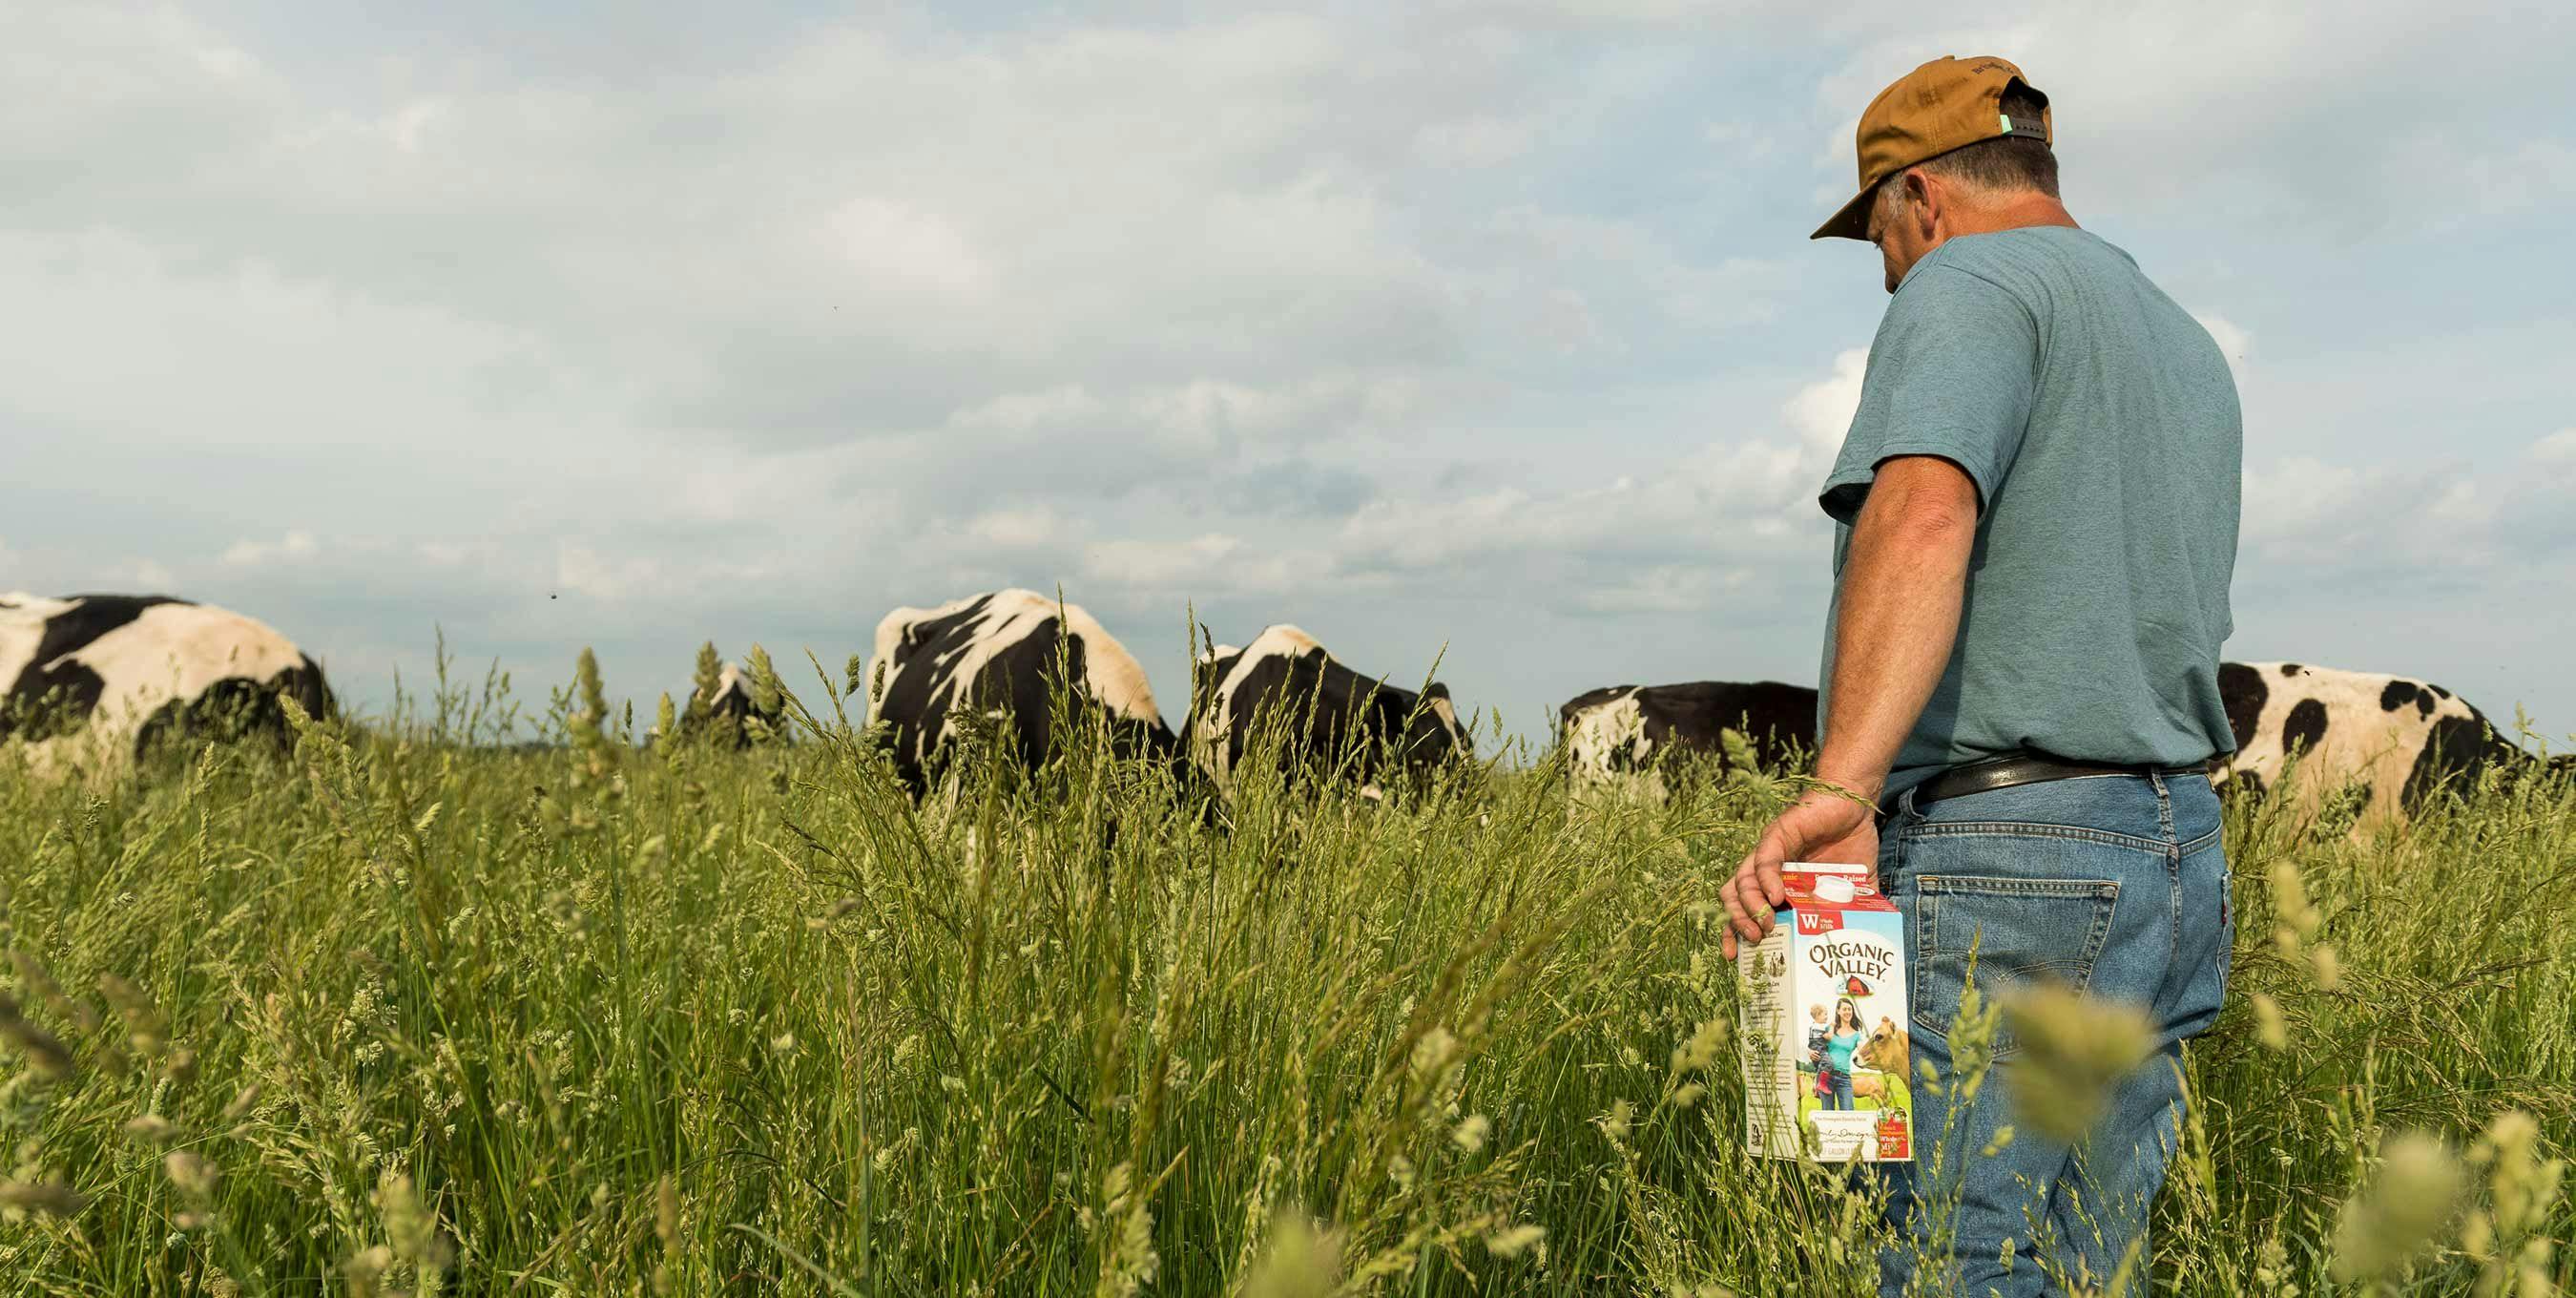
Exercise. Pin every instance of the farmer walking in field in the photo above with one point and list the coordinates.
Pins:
(2036, 512)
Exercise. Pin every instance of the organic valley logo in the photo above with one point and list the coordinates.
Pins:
(1848, 958)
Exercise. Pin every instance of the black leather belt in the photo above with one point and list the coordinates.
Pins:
(2019, 769)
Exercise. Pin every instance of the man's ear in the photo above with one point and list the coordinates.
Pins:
(1923, 197)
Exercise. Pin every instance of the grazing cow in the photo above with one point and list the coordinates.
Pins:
(1330, 713)
(997, 654)
(720, 712)
(2390, 739)
(1613, 732)
(96, 679)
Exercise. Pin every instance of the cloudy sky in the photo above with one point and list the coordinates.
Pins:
(1485, 325)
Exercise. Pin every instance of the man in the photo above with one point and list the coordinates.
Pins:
(2037, 511)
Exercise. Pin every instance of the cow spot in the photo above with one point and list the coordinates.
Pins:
(2455, 750)
(2242, 691)
(2306, 725)
(2290, 669)
(2398, 695)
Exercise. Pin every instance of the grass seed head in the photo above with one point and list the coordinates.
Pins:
(1618, 1121)
(2075, 1049)
(48, 1198)
(144, 1025)
(365, 1270)
(2271, 1026)
(1299, 1260)
(666, 1212)
(195, 1177)
(2290, 901)
(766, 688)
(46, 1056)
(2328, 968)
(2410, 1199)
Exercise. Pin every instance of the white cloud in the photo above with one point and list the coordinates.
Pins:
(2557, 448)
(1017, 527)
(293, 547)
(579, 570)
(1160, 564)
(1821, 413)
(2232, 340)
(1481, 141)
(893, 245)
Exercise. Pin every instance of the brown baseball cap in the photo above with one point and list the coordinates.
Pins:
(1946, 104)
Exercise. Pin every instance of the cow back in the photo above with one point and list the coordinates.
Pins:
(1285, 688)
(2387, 741)
(1004, 658)
(100, 677)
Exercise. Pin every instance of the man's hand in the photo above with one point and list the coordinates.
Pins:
(1822, 826)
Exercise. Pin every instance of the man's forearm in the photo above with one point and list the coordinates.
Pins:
(1903, 582)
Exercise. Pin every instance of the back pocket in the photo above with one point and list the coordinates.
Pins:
(2019, 930)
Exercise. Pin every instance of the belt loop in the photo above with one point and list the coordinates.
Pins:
(2164, 804)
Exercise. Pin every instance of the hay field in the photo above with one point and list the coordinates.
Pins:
(406, 1012)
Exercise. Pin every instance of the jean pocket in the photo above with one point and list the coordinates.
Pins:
(2016, 930)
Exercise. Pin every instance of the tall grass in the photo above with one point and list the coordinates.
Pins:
(408, 1011)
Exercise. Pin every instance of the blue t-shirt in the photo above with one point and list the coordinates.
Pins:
(1838, 1051)
(2101, 426)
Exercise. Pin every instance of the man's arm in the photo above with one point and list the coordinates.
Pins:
(1898, 621)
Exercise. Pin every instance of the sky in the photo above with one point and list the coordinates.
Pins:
(1484, 332)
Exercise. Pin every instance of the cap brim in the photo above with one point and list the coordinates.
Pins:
(1850, 223)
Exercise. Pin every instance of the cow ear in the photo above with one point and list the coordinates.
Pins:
(1435, 690)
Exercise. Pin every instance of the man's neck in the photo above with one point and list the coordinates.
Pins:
(2017, 212)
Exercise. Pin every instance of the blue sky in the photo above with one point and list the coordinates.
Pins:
(1485, 324)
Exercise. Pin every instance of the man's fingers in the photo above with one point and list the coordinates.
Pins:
(1744, 909)
(1739, 923)
(1762, 869)
(1744, 902)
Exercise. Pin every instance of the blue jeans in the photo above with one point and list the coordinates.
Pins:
(2115, 885)
(1839, 1091)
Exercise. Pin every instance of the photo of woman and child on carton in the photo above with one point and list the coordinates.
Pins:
(1838, 1050)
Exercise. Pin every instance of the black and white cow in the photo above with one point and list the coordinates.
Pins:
(1329, 714)
(997, 654)
(2394, 738)
(1611, 735)
(94, 680)
(722, 713)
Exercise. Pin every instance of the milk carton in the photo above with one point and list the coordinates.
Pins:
(1827, 1064)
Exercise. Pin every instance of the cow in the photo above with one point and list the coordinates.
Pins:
(2389, 739)
(723, 699)
(1331, 720)
(1610, 734)
(1888, 1052)
(98, 680)
(997, 655)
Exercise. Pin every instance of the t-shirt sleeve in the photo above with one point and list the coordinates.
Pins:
(1951, 374)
